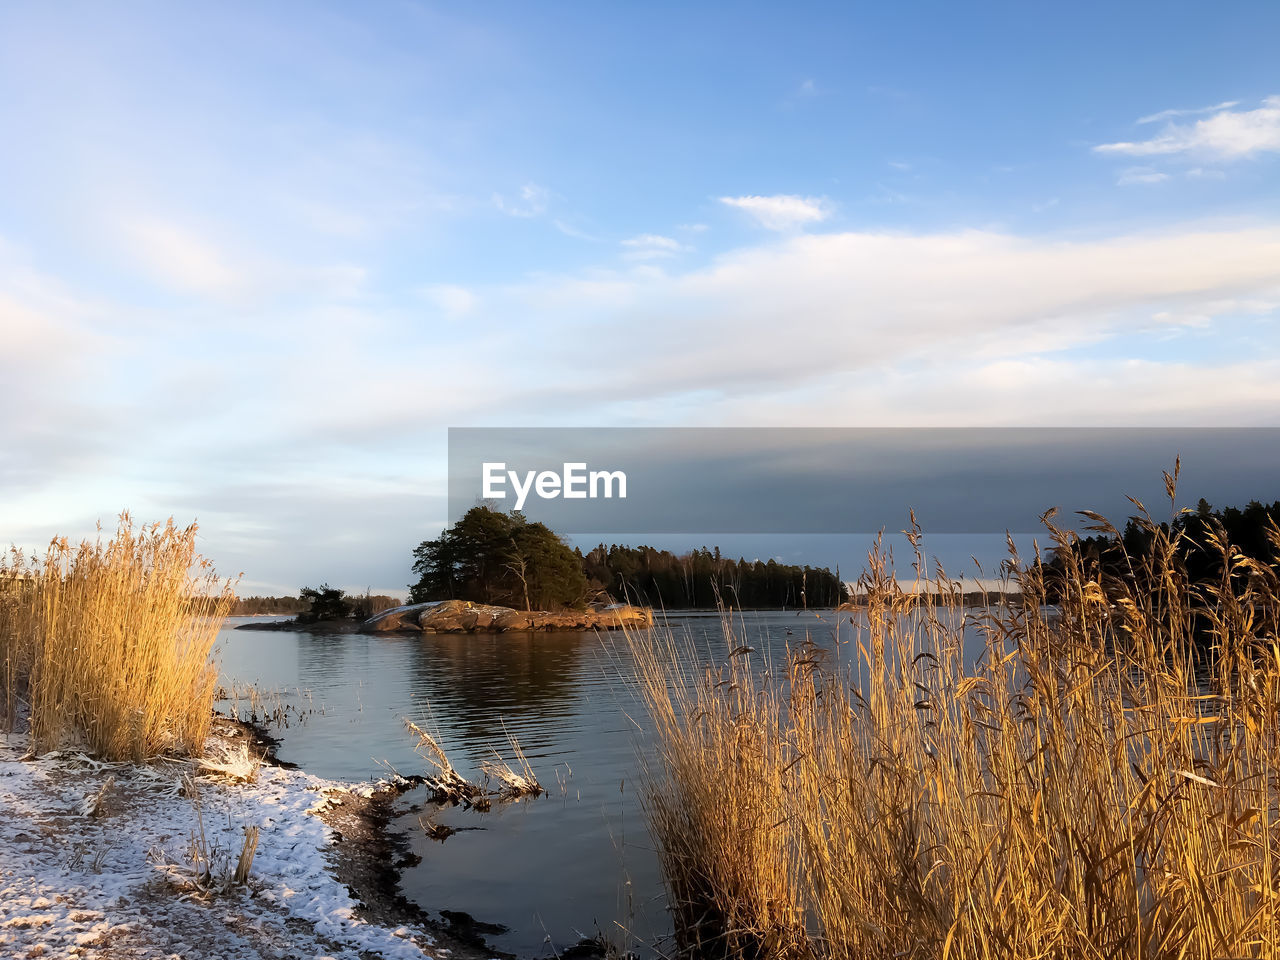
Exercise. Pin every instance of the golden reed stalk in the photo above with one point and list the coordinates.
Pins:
(1103, 782)
(109, 643)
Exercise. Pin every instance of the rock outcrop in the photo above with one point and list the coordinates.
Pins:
(461, 616)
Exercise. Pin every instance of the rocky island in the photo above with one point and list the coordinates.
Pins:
(463, 616)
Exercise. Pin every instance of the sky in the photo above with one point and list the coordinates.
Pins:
(256, 259)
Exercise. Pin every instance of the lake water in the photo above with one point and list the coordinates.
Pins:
(552, 869)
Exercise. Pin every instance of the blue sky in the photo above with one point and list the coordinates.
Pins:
(255, 259)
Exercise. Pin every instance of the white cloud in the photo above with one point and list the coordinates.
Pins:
(183, 260)
(62, 355)
(1142, 392)
(452, 299)
(569, 230)
(1092, 392)
(963, 327)
(651, 246)
(1204, 315)
(1192, 112)
(1226, 135)
(533, 202)
(1140, 175)
(782, 211)
(330, 219)
(817, 308)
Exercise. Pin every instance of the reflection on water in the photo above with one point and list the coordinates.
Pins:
(560, 867)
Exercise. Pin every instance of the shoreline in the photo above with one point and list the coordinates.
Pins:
(114, 860)
(369, 857)
(460, 616)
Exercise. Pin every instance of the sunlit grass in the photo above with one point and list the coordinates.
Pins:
(107, 645)
(1101, 783)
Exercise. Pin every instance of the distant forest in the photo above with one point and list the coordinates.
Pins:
(503, 558)
(276, 606)
(1252, 532)
(703, 578)
(332, 604)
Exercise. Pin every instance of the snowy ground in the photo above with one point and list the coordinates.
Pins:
(121, 881)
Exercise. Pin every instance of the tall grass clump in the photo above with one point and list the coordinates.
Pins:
(107, 645)
(716, 799)
(1098, 779)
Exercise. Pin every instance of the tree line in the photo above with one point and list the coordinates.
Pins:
(499, 558)
(504, 558)
(315, 603)
(704, 578)
(1203, 539)
(277, 606)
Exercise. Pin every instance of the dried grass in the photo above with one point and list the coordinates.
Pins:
(1102, 783)
(517, 781)
(233, 763)
(450, 787)
(244, 862)
(110, 642)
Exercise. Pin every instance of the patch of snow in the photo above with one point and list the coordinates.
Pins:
(120, 883)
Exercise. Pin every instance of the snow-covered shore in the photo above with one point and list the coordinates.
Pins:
(117, 878)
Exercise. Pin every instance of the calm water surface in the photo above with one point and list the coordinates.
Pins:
(552, 869)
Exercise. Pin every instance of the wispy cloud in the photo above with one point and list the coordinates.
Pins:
(182, 259)
(952, 327)
(886, 194)
(1190, 112)
(180, 254)
(533, 202)
(652, 246)
(569, 230)
(1173, 321)
(453, 300)
(53, 335)
(782, 211)
(1226, 135)
(904, 299)
(1134, 176)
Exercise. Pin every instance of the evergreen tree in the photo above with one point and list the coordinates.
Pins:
(1249, 532)
(325, 603)
(500, 558)
(494, 557)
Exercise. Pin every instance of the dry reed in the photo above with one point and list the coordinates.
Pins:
(110, 642)
(518, 780)
(448, 786)
(1101, 782)
(244, 863)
